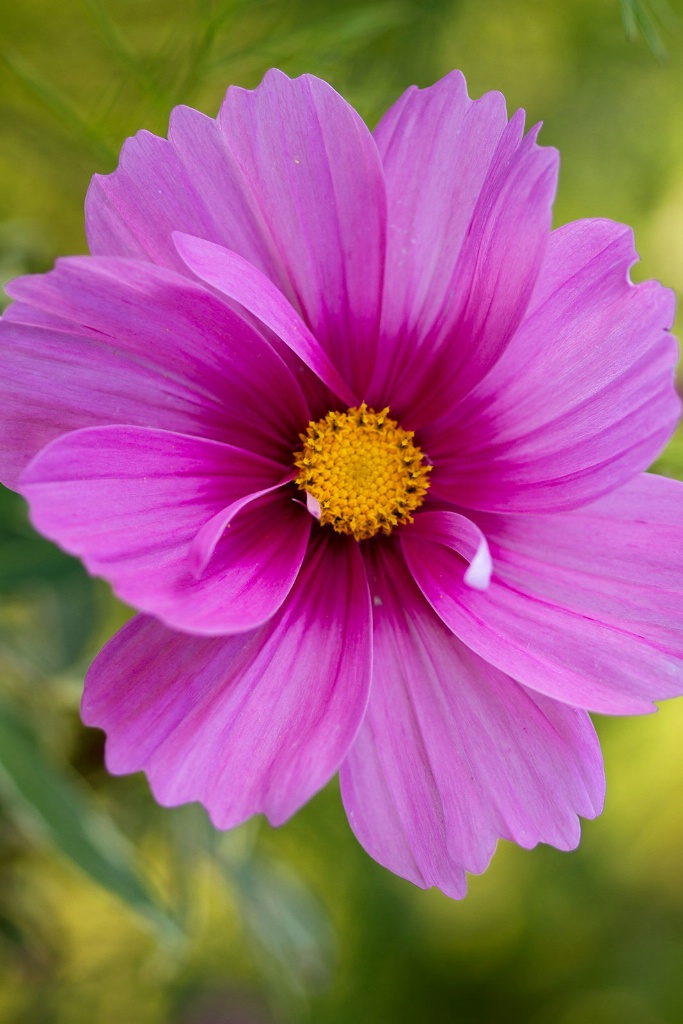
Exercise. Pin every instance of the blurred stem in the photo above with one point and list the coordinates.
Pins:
(639, 16)
(628, 18)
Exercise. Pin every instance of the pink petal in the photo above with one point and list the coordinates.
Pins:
(129, 501)
(248, 724)
(101, 341)
(239, 280)
(583, 398)
(289, 177)
(192, 182)
(205, 541)
(583, 606)
(469, 217)
(453, 754)
(460, 535)
(318, 183)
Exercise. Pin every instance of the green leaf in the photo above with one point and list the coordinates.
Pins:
(50, 802)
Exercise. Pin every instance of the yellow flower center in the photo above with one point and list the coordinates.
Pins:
(362, 470)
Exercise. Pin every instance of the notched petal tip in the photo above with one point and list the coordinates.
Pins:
(211, 719)
(454, 754)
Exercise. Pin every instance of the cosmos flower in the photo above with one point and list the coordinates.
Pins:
(362, 439)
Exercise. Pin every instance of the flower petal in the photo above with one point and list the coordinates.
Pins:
(453, 754)
(129, 502)
(248, 724)
(191, 182)
(100, 341)
(583, 606)
(469, 217)
(207, 538)
(459, 534)
(289, 177)
(582, 399)
(239, 280)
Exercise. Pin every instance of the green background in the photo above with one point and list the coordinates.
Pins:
(113, 910)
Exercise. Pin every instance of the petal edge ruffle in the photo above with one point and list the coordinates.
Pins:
(249, 724)
(583, 398)
(453, 754)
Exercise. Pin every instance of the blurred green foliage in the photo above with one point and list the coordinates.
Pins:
(112, 909)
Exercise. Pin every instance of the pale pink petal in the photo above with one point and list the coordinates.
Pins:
(583, 398)
(453, 754)
(289, 177)
(459, 534)
(469, 217)
(239, 280)
(129, 501)
(100, 341)
(248, 724)
(583, 606)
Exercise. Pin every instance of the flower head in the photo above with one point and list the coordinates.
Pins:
(363, 441)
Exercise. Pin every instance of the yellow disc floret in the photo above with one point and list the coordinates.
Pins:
(363, 471)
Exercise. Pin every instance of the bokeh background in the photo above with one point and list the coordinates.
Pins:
(113, 910)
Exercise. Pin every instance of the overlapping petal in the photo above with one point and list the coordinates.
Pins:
(459, 535)
(583, 398)
(237, 279)
(99, 341)
(130, 501)
(453, 754)
(582, 606)
(469, 216)
(248, 724)
(288, 177)
(189, 182)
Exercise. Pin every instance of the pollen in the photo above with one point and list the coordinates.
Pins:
(363, 470)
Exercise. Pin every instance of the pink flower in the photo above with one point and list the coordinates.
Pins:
(363, 440)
